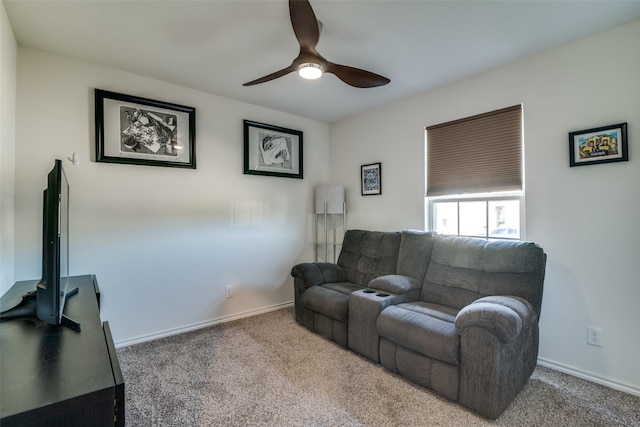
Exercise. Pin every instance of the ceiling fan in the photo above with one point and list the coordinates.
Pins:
(309, 63)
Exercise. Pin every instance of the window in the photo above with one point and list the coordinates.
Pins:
(475, 176)
(491, 216)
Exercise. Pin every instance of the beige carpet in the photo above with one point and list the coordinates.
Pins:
(269, 371)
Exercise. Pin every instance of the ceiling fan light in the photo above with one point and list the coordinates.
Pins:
(310, 71)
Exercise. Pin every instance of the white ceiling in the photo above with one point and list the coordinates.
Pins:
(215, 46)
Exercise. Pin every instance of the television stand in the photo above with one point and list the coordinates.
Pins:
(24, 309)
(66, 320)
(28, 308)
(53, 376)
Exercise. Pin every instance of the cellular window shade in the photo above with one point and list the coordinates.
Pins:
(476, 154)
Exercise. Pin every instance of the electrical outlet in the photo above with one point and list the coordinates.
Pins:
(228, 291)
(594, 336)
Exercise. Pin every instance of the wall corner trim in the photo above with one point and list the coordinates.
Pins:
(200, 325)
(571, 370)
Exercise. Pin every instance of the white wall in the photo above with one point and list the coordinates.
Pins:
(163, 242)
(586, 218)
(8, 61)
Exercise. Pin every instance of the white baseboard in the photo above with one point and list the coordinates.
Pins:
(616, 385)
(200, 325)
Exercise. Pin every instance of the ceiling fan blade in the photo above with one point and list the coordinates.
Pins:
(307, 30)
(271, 76)
(304, 23)
(355, 76)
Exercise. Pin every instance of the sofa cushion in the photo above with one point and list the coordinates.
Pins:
(465, 269)
(343, 287)
(331, 300)
(366, 255)
(422, 328)
(414, 253)
(441, 312)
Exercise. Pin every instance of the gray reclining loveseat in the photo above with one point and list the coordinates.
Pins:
(457, 315)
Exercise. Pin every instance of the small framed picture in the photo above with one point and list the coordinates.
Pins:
(272, 150)
(141, 131)
(371, 179)
(605, 144)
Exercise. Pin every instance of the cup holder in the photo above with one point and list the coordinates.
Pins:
(373, 291)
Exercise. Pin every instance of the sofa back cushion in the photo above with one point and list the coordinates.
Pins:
(465, 269)
(415, 253)
(366, 255)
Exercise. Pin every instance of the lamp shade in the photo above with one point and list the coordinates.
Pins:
(333, 196)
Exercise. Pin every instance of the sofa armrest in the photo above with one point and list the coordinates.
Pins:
(395, 284)
(317, 273)
(309, 274)
(504, 316)
(498, 352)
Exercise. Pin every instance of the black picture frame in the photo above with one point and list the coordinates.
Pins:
(371, 179)
(141, 131)
(605, 144)
(272, 150)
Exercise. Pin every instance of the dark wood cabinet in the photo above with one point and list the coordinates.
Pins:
(54, 376)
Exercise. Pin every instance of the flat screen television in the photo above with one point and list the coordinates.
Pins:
(47, 301)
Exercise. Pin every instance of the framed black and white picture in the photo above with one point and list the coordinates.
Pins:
(371, 179)
(141, 131)
(272, 150)
(604, 144)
